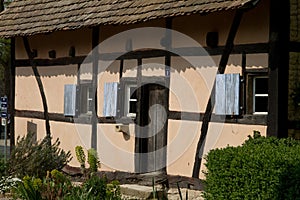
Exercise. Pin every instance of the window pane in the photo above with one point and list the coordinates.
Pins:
(261, 86)
(90, 105)
(133, 93)
(261, 104)
(132, 106)
(90, 93)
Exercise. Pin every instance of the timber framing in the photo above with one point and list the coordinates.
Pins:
(255, 48)
(12, 93)
(278, 68)
(210, 105)
(173, 115)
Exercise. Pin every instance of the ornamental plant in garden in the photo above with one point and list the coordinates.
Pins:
(262, 168)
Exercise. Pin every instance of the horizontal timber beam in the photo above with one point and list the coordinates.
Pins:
(149, 53)
(173, 115)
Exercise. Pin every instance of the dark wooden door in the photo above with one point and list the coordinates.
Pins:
(151, 131)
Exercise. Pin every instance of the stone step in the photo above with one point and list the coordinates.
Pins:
(139, 192)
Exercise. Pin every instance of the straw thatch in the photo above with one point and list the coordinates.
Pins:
(29, 17)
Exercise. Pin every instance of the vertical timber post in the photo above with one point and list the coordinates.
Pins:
(12, 93)
(95, 55)
(168, 38)
(210, 105)
(278, 68)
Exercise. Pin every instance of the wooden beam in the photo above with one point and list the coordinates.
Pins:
(278, 68)
(198, 117)
(173, 115)
(95, 60)
(40, 86)
(12, 93)
(210, 105)
(256, 48)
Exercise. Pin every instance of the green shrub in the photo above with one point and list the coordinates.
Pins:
(80, 156)
(95, 188)
(29, 189)
(93, 160)
(262, 168)
(55, 186)
(33, 158)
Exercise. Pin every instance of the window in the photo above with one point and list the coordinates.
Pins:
(86, 98)
(78, 99)
(130, 100)
(120, 99)
(260, 95)
(256, 92)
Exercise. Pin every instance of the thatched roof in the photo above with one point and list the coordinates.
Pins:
(29, 17)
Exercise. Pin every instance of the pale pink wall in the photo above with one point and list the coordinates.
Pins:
(54, 79)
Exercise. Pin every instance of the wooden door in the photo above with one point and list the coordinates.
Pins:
(151, 130)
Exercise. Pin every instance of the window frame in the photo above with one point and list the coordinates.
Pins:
(251, 75)
(84, 90)
(124, 97)
(258, 95)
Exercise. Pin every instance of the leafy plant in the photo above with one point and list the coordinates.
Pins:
(7, 183)
(56, 185)
(93, 160)
(29, 189)
(97, 186)
(295, 95)
(80, 156)
(113, 190)
(262, 168)
(33, 158)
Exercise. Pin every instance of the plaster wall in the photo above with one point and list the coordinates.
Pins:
(189, 87)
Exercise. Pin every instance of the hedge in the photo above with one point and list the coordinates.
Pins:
(262, 168)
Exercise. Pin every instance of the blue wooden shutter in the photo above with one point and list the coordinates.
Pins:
(227, 94)
(110, 99)
(70, 100)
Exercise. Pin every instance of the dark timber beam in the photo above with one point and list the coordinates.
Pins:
(173, 115)
(40, 85)
(95, 60)
(12, 93)
(210, 105)
(278, 69)
(149, 53)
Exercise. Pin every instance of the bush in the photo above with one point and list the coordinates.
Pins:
(93, 160)
(34, 159)
(262, 168)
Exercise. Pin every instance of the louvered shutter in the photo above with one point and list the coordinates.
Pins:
(110, 99)
(70, 100)
(227, 94)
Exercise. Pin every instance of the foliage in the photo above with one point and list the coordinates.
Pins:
(80, 156)
(29, 189)
(113, 190)
(55, 185)
(3, 166)
(262, 168)
(295, 95)
(93, 160)
(7, 183)
(97, 186)
(77, 193)
(33, 158)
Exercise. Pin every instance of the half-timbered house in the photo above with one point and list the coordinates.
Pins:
(152, 84)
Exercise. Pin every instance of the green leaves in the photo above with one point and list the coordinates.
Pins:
(262, 168)
(33, 158)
